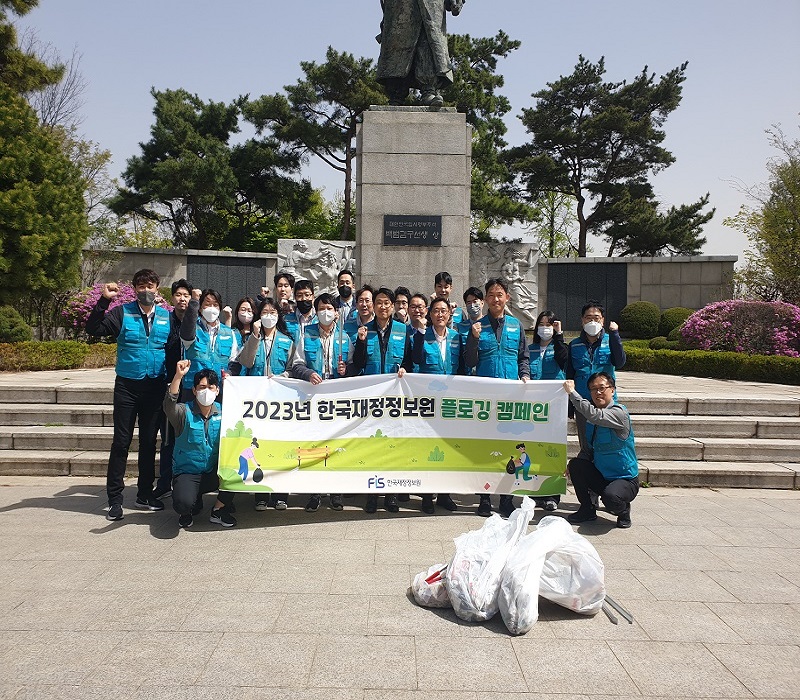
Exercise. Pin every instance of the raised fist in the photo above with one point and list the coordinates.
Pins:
(556, 327)
(362, 333)
(182, 368)
(476, 330)
(110, 290)
(196, 294)
(612, 326)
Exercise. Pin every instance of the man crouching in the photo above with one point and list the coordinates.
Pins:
(607, 465)
(197, 432)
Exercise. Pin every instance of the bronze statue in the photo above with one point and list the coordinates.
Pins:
(414, 50)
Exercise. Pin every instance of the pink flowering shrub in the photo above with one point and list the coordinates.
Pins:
(751, 327)
(79, 306)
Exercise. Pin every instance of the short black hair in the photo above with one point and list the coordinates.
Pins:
(386, 292)
(440, 300)
(602, 375)
(181, 284)
(473, 292)
(211, 293)
(345, 272)
(593, 305)
(303, 284)
(365, 288)
(519, 444)
(283, 275)
(324, 298)
(443, 277)
(405, 291)
(145, 276)
(419, 296)
(209, 375)
(499, 281)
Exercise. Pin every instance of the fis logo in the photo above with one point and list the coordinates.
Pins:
(376, 482)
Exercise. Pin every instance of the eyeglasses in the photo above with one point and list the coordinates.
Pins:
(440, 311)
(418, 307)
(600, 389)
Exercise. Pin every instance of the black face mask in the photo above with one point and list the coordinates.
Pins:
(304, 306)
(146, 298)
(345, 292)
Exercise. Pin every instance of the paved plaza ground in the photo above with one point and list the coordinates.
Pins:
(297, 605)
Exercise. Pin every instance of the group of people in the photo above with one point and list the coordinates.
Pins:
(171, 364)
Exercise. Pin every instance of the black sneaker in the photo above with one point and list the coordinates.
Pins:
(443, 500)
(427, 505)
(371, 506)
(584, 514)
(185, 521)
(403, 498)
(550, 504)
(162, 492)
(624, 519)
(313, 504)
(336, 502)
(506, 506)
(484, 507)
(220, 517)
(114, 512)
(149, 504)
(390, 503)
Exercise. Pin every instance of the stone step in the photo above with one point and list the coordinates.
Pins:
(58, 462)
(765, 475)
(62, 437)
(660, 404)
(710, 426)
(710, 449)
(56, 414)
(62, 395)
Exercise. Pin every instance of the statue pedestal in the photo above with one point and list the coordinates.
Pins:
(413, 164)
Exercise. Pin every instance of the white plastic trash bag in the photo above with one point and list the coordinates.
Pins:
(473, 576)
(429, 588)
(556, 563)
(573, 575)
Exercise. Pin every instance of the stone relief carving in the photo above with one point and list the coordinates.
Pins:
(315, 260)
(517, 264)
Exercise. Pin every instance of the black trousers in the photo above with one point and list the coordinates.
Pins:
(617, 494)
(135, 399)
(188, 488)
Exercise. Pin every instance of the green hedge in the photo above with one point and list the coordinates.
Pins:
(640, 319)
(55, 354)
(673, 318)
(776, 369)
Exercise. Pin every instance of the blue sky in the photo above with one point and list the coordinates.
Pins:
(744, 62)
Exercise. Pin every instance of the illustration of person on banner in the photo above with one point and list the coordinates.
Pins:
(325, 353)
(269, 351)
(246, 456)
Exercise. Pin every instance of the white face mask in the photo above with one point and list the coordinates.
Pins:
(474, 310)
(593, 328)
(245, 316)
(269, 320)
(545, 332)
(211, 313)
(326, 316)
(205, 397)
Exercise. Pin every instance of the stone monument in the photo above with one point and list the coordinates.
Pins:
(316, 260)
(517, 264)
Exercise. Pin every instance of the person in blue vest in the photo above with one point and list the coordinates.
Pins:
(303, 314)
(197, 433)
(269, 351)
(443, 286)
(473, 303)
(402, 297)
(181, 294)
(243, 316)
(143, 331)
(593, 351)
(496, 347)
(438, 351)
(345, 303)
(383, 347)
(324, 354)
(365, 311)
(548, 357)
(207, 342)
(607, 465)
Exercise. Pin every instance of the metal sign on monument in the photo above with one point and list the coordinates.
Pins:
(409, 230)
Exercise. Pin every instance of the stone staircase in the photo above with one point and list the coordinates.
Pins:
(725, 436)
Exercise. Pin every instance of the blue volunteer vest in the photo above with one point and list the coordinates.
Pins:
(140, 355)
(613, 457)
(544, 365)
(457, 316)
(432, 362)
(585, 363)
(197, 447)
(203, 357)
(293, 324)
(499, 360)
(395, 349)
(278, 356)
(314, 354)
